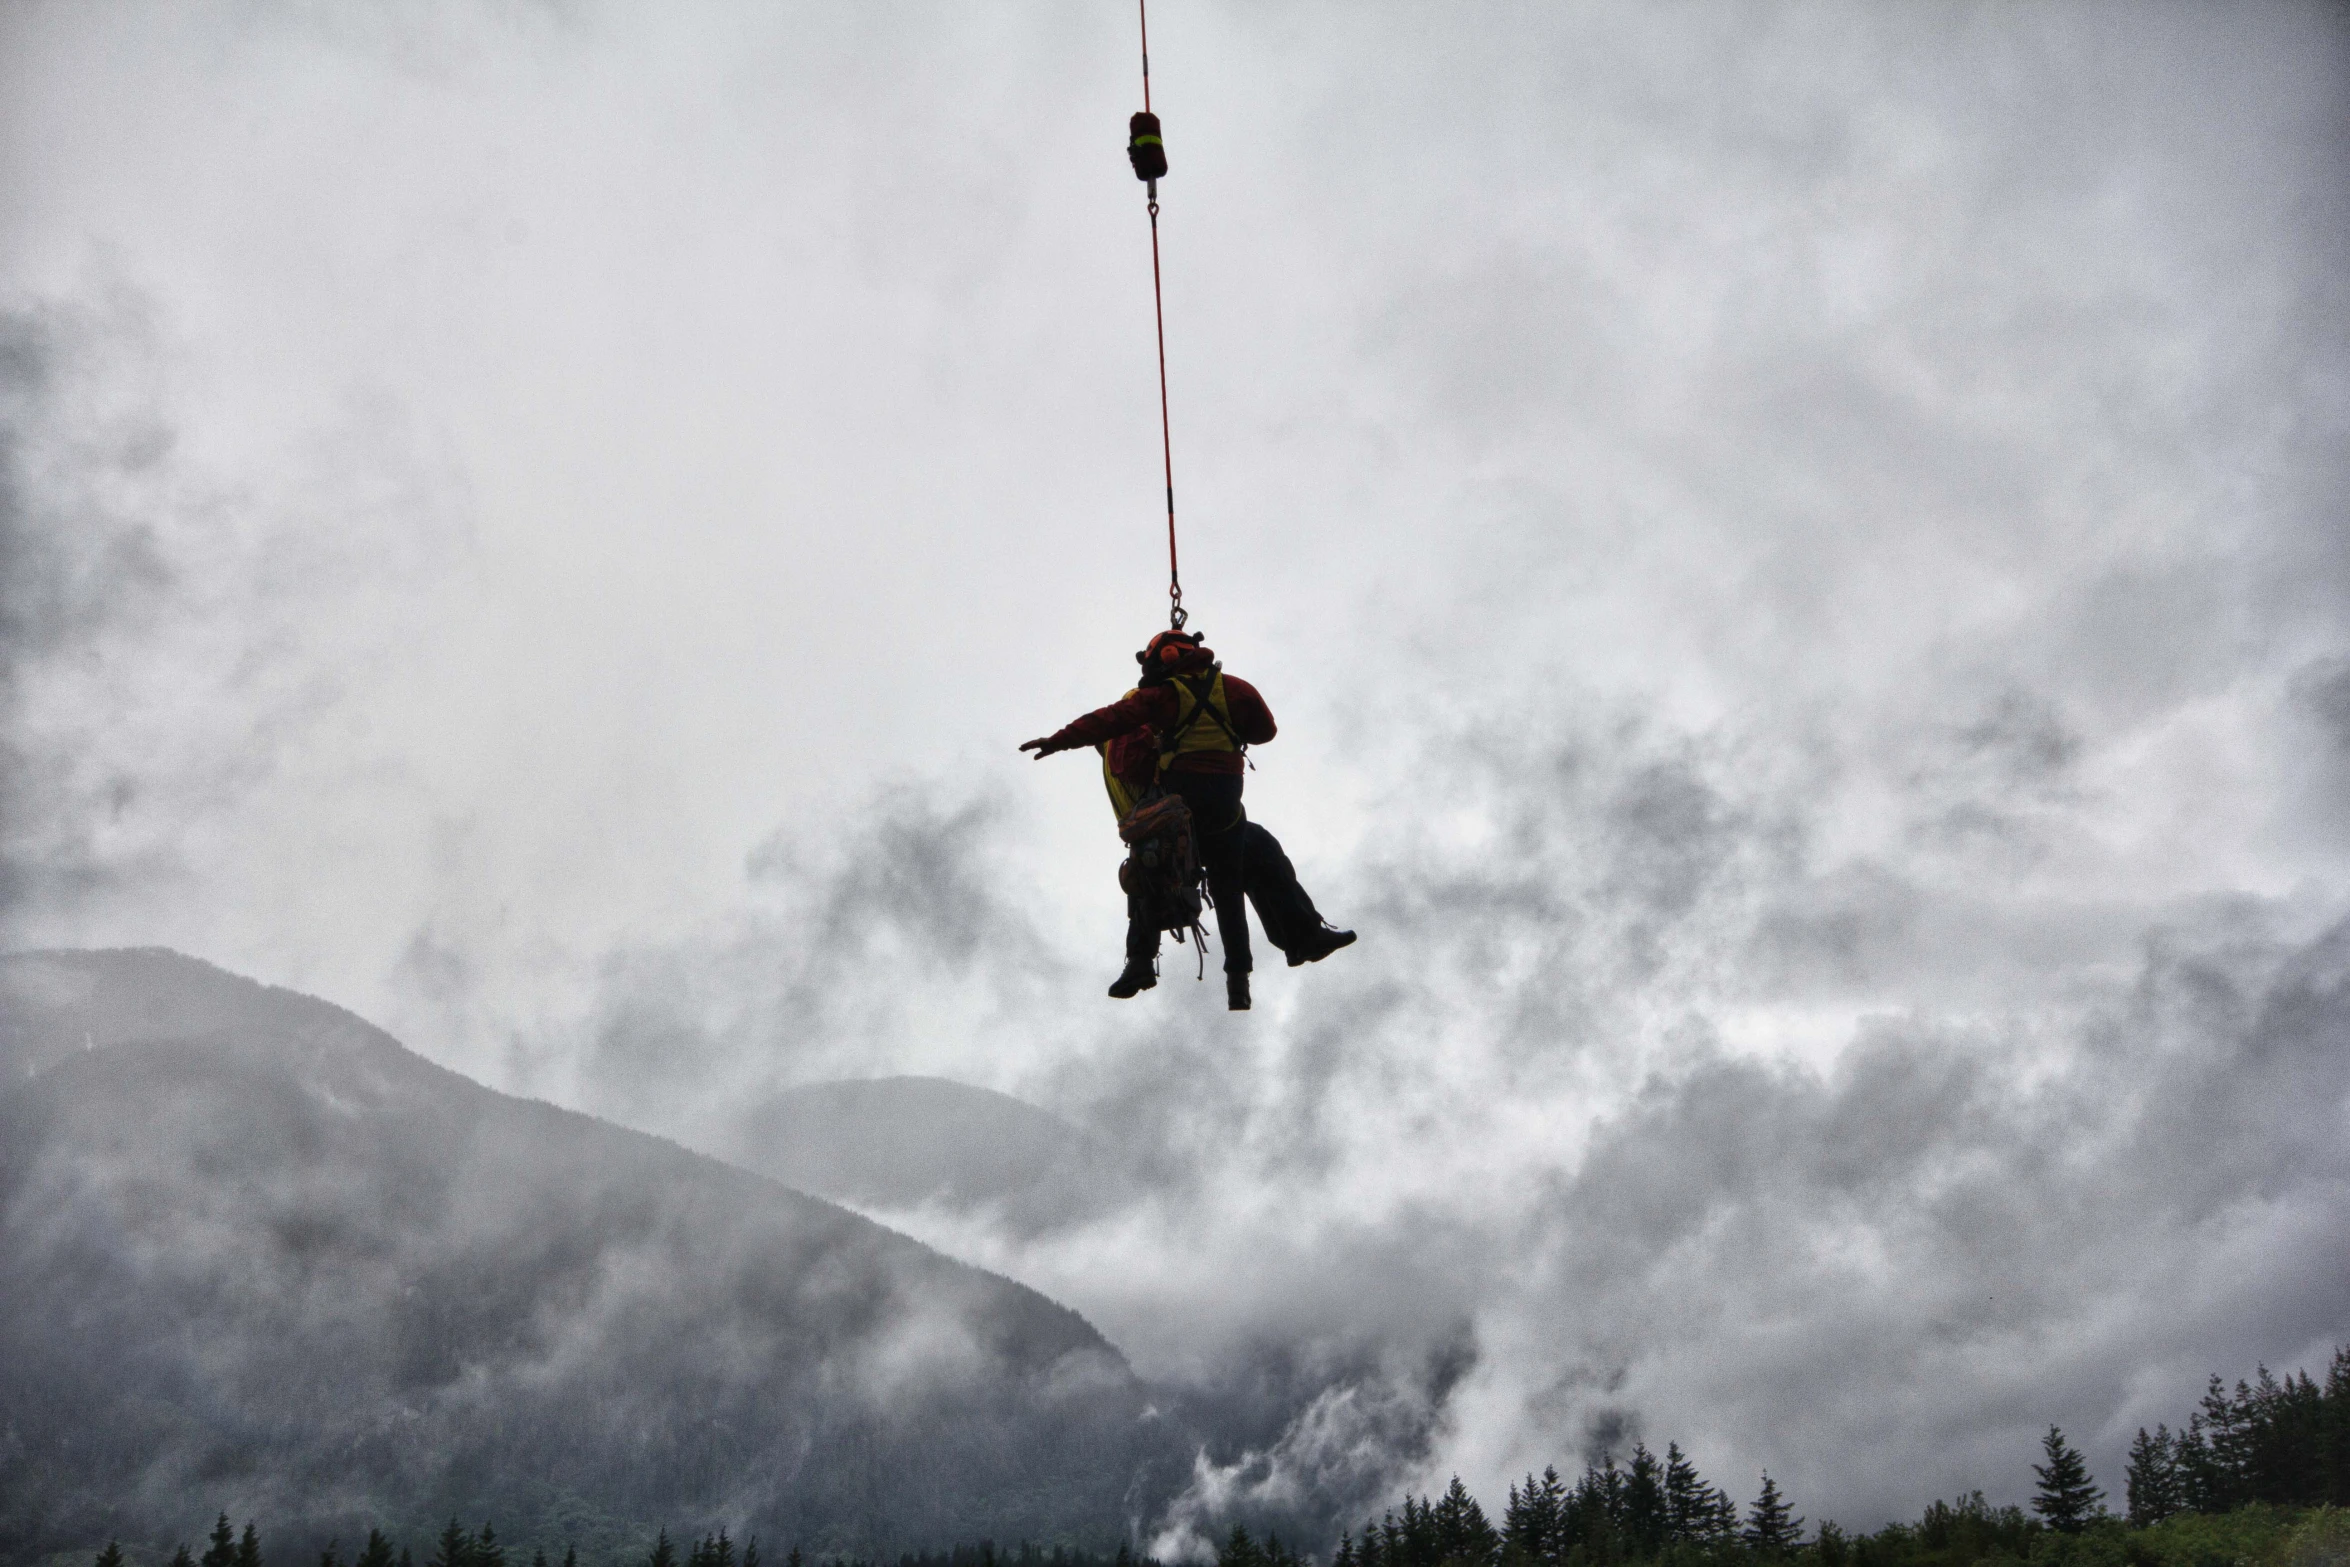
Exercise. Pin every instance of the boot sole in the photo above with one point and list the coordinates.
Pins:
(1300, 960)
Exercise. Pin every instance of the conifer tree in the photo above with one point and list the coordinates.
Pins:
(1688, 1500)
(249, 1546)
(222, 1552)
(1770, 1530)
(181, 1558)
(111, 1556)
(2229, 1470)
(330, 1557)
(2193, 1473)
(1530, 1530)
(1462, 1534)
(793, 1558)
(1724, 1532)
(665, 1554)
(2152, 1479)
(538, 1556)
(2067, 1498)
(453, 1549)
(377, 1552)
(2333, 1431)
(1239, 1550)
(750, 1553)
(1644, 1502)
(487, 1552)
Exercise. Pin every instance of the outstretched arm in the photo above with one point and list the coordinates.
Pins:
(1141, 710)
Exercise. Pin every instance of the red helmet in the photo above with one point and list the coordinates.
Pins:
(1170, 651)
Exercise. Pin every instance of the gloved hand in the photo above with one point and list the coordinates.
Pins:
(1042, 748)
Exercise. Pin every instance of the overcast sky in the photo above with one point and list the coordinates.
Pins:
(1799, 553)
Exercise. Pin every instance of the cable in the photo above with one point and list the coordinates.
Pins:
(1175, 612)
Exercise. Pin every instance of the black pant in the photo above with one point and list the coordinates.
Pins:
(1243, 861)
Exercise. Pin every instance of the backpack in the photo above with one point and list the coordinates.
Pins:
(1161, 876)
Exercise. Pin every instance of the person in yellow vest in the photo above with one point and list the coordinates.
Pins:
(1202, 721)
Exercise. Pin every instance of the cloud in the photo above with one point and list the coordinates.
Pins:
(1798, 556)
(171, 639)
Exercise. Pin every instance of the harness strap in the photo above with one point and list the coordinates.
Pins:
(1171, 741)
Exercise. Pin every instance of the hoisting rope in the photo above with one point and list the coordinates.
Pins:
(1148, 153)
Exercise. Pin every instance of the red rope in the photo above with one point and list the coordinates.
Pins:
(1175, 614)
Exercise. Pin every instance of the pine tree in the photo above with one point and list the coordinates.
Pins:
(111, 1556)
(750, 1553)
(377, 1552)
(2333, 1430)
(1769, 1528)
(1644, 1502)
(181, 1558)
(2193, 1473)
(1688, 1499)
(2067, 1498)
(487, 1552)
(222, 1552)
(1462, 1534)
(2152, 1480)
(453, 1549)
(538, 1556)
(1723, 1532)
(1239, 1550)
(1531, 1529)
(665, 1554)
(330, 1557)
(249, 1546)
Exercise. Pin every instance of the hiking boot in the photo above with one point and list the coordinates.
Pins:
(1319, 944)
(1236, 992)
(1141, 974)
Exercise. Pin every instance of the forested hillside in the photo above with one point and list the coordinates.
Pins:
(256, 1256)
(2256, 1477)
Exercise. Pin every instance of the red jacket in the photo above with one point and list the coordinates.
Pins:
(1153, 708)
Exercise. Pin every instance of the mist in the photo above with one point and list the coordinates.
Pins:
(1798, 555)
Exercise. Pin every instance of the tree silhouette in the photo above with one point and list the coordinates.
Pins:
(1644, 1502)
(181, 1558)
(2152, 1479)
(1770, 1530)
(377, 1552)
(111, 1556)
(222, 1552)
(664, 1554)
(453, 1549)
(249, 1547)
(1688, 1499)
(2067, 1498)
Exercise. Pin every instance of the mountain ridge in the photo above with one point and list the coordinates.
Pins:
(241, 1228)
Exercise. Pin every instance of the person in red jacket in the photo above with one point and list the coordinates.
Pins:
(1203, 721)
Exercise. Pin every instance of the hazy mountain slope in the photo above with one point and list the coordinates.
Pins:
(899, 1142)
(255, 1255)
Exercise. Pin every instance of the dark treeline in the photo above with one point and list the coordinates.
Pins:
(2256, 1475)
(2268, 1447)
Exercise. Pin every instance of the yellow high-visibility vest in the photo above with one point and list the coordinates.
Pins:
(1198, 726)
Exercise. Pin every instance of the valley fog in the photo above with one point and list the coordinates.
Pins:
(1797, 556)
